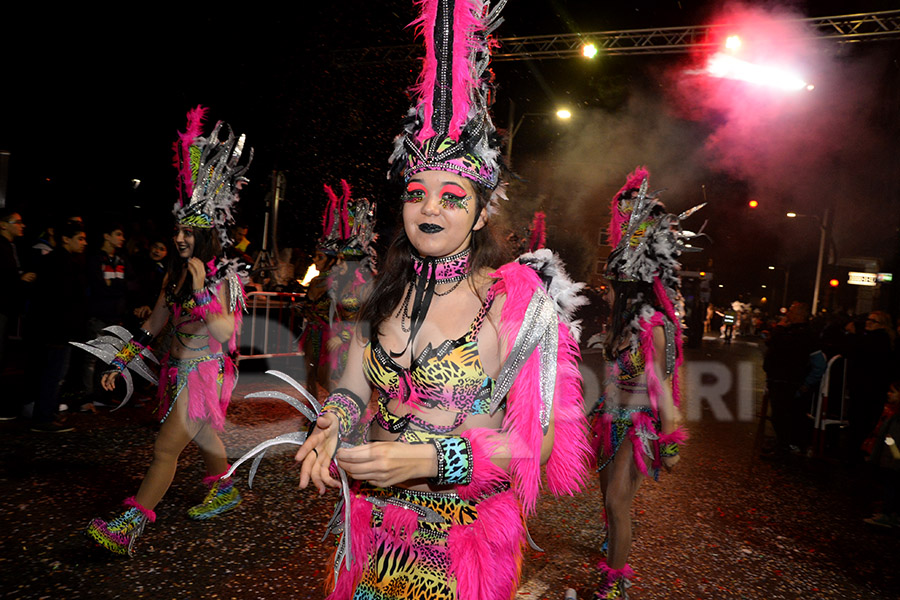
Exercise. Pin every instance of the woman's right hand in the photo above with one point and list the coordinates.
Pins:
(108, 381)
(316, 453)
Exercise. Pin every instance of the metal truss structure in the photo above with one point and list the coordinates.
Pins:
(862, 27)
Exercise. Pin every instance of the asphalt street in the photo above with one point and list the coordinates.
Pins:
(724, 525)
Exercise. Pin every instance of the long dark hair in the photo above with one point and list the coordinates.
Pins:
(486, 251)
(206, 248)
(630, 297)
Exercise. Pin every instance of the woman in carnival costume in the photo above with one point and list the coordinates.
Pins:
(345, 260)
(474, 366)
(203, 297)
(637, 426)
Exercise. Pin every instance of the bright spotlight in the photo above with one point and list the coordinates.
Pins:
(729, 67)
(791, 214)
(733, 42)
(771, 268)
(589, 50)
(810, 87)
(564, 113)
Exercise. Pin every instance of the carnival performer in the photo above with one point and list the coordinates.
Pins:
(451, 461)
(203, 297)
(345, 260)
(637, 427)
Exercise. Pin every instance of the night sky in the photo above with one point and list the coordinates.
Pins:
(93, 99)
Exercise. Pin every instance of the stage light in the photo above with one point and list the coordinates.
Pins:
(834, 283)
(733, 42)
(753, 203)
(589, 50)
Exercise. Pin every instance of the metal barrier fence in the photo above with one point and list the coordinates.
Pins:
(272, 326)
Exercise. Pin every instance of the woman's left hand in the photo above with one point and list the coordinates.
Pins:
(388, 463)
(669, 462)
(198, 273)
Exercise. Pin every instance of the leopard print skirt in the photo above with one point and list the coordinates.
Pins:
(409, 555)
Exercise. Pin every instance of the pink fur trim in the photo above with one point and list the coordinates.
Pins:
(206, 400)
(132, 502)
(400, 524)
(679, 436)
(523, 406)
(617, 217)
(601, 430)
(626, 572)
(486, 556)
(203, 311)
(642, 422)
(486, 476)
(362, 544)
(571, 449)
(209, 480)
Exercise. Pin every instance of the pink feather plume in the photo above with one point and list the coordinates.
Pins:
(617, 217)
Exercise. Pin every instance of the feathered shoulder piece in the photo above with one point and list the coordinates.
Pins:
(565, 293)
(449, 126)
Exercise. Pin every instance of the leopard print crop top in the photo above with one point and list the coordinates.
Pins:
(449, 377)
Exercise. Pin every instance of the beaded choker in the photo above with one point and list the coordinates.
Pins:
(429, 273)
(449, 269)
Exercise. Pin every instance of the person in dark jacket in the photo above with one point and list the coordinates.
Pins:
(794, 366)
(107, 297)
(56, 316)
(13, 284)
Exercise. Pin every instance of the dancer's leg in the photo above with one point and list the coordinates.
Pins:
(212, 449)
(623, 482)
(174, 435)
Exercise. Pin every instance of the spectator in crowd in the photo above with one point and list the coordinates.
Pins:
(13, 282)
(148, 271)
(794, 365)
(870, 365)
(107, 298)
(56, 316)
(886, 457)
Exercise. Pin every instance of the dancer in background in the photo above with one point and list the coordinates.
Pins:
(204, 299)
(637, 427)
(345, 261)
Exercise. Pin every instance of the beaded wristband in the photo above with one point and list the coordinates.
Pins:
(203, 297)
(454, 460)
(132, 349)
(347, 407)
(205, 302)
(668, 450)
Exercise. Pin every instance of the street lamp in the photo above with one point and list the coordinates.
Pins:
(823, 231)
(563, 114)
(787, 274)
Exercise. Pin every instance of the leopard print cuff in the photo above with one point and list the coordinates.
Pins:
(454, 458)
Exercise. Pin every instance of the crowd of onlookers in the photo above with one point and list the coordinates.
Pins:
(67, 283)
(843, 370)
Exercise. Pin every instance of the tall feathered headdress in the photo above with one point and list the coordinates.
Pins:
(449, 128)
(647, 240)
(348, 226)
(210, 172)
